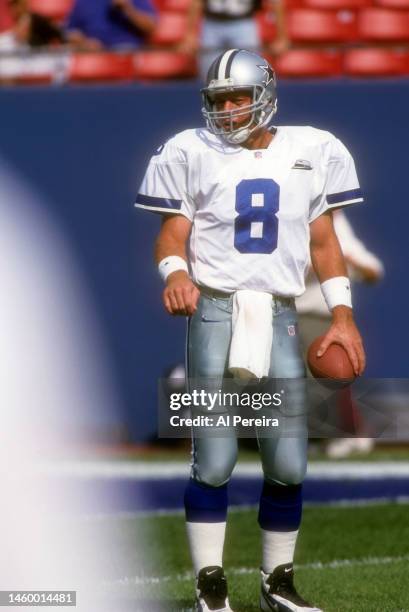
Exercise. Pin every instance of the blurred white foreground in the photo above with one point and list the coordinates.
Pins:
(54, 379)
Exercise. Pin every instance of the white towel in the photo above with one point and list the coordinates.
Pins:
(252, 337)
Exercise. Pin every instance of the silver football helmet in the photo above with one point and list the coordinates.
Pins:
(238, 69)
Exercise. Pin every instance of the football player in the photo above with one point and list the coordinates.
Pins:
(245, 205)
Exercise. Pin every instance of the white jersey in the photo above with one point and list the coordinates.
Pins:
(250, 209)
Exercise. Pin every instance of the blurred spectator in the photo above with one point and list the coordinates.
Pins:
(110, 23)
(230, 24)
(314, 320)
(30, 32)
(28, 29)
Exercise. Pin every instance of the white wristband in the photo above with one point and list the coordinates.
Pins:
(337, 292)
(171, 264)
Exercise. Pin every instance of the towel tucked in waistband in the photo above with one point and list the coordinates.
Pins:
(252, 334)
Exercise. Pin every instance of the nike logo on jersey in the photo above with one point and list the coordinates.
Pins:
(302, 164)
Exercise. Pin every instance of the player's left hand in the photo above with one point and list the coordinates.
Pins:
(344, 332)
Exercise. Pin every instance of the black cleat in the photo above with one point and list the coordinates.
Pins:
(211, 590)
(278, 593)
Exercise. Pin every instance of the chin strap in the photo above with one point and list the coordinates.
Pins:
(242, 135)
(238, 137)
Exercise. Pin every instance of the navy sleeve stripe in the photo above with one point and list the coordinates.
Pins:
(342, 196)
(155, 202)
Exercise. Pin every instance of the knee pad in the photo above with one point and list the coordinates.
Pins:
(212, 475)
(285, 461)
(213, 464)
(290, 474)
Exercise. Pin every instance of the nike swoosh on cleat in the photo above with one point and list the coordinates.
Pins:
(212, 572)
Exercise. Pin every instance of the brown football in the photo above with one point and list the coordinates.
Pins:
(334, 364)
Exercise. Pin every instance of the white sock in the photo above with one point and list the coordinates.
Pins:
(206, 541)
(278, 548)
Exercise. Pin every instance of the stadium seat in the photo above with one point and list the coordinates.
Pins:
(170, 29)
(383, 25)
(309, 63)
(376, 62)
(394, 4)
(100, 67)
(337, 4)
(310, 25)
(267, 27)
(54, 9)
(156, 65)
(5, 18)
(292, 4)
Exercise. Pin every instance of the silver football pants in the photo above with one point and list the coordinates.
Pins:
(283, 456)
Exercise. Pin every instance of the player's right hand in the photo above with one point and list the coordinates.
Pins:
(181, 295)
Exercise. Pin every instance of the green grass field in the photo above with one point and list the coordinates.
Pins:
(349, 559)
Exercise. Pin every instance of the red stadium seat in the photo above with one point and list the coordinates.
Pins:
(309, 63)
(156, 65)
(54, 9)
(394, 4)
(337, 4)
(267, 27)
(100, 67)
(309, 25)
(170, 29)
(292, 4)
(383, 25)
(376, 62)
(5, 18)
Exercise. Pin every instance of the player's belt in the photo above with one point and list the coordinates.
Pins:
(209, 292)
(215, 293)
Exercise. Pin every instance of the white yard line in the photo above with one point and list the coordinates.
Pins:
(239, 571)
(141, 470)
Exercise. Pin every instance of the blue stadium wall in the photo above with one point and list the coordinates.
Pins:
(85, 149)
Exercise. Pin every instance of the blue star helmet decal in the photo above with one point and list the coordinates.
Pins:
(269, 74)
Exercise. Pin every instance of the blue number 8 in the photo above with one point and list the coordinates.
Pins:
(257, 201)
